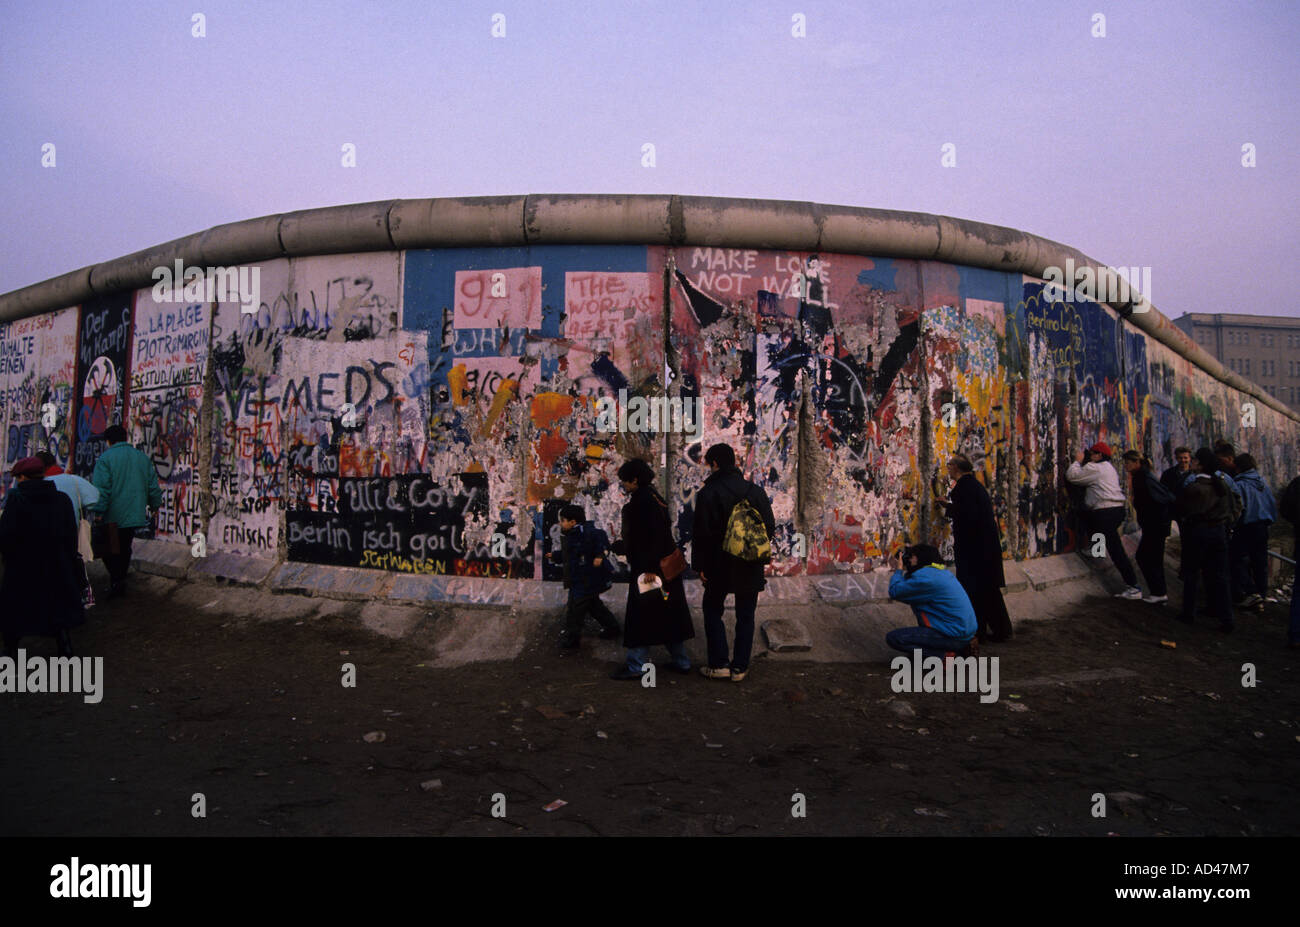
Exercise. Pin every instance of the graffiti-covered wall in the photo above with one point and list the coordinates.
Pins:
(430, 411)
(38, 384)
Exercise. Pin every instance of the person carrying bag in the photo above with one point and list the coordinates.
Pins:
(660, 614)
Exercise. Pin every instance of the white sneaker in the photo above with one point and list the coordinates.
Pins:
(1132, 592)
(1155, 599)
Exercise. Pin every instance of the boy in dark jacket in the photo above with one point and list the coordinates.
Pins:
(1204, 511)
(584, 551)
(1153, 504)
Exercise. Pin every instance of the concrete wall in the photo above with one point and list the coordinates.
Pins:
(842, 379)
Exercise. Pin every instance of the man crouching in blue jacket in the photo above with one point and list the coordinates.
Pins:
(945, 619)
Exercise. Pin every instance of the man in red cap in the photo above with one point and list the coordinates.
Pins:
(1103, 505)
(41, 592)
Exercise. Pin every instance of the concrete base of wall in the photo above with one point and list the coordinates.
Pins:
(234, 569)
(834, 618)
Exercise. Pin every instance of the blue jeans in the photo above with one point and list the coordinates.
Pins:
(715, 599)
(929, 641)
(637, 657)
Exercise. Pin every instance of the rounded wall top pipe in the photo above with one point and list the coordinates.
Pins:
(650, 219)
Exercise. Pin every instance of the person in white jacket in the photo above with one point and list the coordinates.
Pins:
(1103, 504)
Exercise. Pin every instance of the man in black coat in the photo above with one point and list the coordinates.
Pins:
(977, 545)
(43, 579)
(722, 573)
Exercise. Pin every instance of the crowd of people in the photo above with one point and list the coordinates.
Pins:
(731, 544)
(1221, 504)
(1223, 509)
(53, 523)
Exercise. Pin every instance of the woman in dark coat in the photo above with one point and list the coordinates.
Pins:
(647, 538)
(41, 592)
(977, 548)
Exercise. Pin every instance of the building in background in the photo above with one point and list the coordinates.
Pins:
(1263, 348)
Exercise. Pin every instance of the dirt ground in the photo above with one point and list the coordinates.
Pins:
(251, 713)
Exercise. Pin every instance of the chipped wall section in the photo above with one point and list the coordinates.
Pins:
(430, 411)
(247, 474)
(101, 394)
(522, 345)
(169, 358)
(285, 440)
(808, 365)
(38, 371)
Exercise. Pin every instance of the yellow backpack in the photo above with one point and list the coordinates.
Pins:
(746, 536)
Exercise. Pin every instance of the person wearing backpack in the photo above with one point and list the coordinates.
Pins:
(730, 545)
(1205, 512)
(1248, 550)
(1153, 504)
(1290, 510)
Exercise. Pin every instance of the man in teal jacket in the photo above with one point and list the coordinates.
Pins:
(128, 488)
(944, 616)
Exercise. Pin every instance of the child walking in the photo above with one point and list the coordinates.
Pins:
(584, 551)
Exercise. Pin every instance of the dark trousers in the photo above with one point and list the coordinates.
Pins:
(1151, 560)
(1293, 629)
(715, 600)
(1205, 556)
(927, 640)
(1248, 552)
(580, 609)
(1106, 522)
(120, 562)
(990, 608)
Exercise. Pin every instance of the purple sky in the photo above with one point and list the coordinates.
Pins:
(1128, 147)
